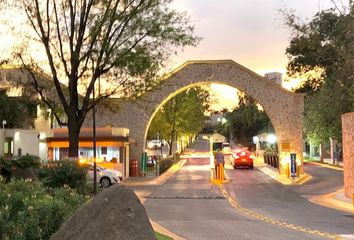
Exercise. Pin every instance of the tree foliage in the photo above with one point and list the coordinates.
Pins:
(19, 112)
(324, 46)
(244, 122)
(121, 43)
(182, 115)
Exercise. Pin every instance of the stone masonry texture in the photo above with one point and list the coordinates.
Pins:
(284, 108)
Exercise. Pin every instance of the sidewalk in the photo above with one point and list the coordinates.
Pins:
(336, 200)
(273, 173)
(143, 189)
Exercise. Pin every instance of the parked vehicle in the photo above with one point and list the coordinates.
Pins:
(242, 158)
(156, 143)
(226, 148)
(105, 177)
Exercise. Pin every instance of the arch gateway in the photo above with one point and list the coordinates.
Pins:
(284, 108)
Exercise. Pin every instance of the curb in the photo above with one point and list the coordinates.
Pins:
(162, 178)
(264, 218)
(158, 228)
(329, 200)
(283, 179)
(326, 165)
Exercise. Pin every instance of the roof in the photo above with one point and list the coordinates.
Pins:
(118, 134)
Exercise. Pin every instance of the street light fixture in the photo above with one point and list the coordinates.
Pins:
(3, 124)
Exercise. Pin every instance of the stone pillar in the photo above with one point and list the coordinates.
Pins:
(334, 154)
(348, 153)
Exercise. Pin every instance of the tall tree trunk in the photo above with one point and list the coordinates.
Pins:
(172, 138)
(74, 131)
(322, 151)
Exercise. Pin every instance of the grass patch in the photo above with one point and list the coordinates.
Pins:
(162, 237)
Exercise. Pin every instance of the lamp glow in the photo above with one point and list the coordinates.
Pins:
(271, 138)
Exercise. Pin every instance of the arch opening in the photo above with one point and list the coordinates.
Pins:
(253, 128)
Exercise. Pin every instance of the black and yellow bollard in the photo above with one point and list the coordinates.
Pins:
(221, 172)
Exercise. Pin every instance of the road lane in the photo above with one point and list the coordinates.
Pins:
(256, 191)
(190, 207)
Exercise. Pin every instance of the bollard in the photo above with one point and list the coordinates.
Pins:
(220, 172)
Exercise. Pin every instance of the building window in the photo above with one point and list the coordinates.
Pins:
(19, 152)
(103, 150)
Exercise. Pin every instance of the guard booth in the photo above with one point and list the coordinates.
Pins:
(112, 146)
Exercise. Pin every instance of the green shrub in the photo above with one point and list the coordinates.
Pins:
(22, 167)
(27, 161)
(65, 173)
(5, 169)
(28, 211)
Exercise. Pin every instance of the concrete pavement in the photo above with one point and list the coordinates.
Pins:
(190, 207)
(333, 197)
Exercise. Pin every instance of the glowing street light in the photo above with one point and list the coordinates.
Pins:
(271, 138)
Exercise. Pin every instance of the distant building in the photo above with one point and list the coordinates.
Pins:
(19, 142)
(275, 77)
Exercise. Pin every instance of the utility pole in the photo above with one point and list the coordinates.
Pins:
(94, 141)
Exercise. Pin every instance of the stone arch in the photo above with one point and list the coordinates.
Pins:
(284, 108)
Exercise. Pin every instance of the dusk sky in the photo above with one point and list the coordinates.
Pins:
(250, 32)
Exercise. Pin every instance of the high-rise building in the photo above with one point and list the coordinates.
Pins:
(275, 77)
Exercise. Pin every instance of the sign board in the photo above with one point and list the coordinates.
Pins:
(293, 165)
(285, 146)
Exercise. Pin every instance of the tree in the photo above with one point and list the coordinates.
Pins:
(321, 50)
(19, 112)
(244, 122)
(182, 115)
(121, 43)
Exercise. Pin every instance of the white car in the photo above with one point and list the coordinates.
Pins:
(154, 144)
(105, 177)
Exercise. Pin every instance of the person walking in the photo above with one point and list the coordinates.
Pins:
(220, 159)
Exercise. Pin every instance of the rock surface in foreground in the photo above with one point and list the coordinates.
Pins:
(116, 213)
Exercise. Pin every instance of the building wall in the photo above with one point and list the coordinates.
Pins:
(348, 152)
(284, 108)
(26, 140)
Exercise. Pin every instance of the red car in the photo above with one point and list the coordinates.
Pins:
(243, 158)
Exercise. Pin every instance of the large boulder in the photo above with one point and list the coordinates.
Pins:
(116, 213)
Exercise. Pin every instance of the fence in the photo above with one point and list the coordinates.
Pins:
(271, 159)
(159, 166)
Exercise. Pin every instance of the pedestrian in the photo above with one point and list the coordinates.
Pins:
(219, 159)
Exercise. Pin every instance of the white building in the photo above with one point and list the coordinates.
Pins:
(19, 142)
(275, 77)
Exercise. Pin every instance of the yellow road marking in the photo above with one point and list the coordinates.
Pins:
(256, 215)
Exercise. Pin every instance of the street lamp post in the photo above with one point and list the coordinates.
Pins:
(94, 141)
(3, 124)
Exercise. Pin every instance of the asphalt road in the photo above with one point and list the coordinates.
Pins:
(188, 205)
(256, 191)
